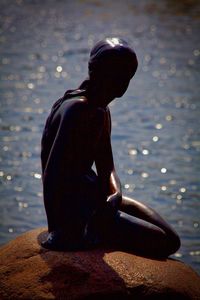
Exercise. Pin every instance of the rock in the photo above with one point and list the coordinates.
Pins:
(27, 271)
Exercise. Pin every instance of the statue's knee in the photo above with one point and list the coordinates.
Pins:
(174, 243)
(177, 243)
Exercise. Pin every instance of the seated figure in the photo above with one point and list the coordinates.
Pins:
(84, 207)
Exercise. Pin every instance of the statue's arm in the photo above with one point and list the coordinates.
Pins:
(109, 180)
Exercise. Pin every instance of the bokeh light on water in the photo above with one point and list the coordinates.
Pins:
(156, 126)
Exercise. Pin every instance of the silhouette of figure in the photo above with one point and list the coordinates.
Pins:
(84, 207)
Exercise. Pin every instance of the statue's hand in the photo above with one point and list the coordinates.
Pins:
(113, 201)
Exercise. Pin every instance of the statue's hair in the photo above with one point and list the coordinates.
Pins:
(112, 55)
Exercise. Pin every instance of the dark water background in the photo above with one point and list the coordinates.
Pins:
(156, 125)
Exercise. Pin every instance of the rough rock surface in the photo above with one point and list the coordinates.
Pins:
(28, 271)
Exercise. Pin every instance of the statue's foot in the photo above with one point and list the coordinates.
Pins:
(55, 241)
(91, 238)
(58, 241)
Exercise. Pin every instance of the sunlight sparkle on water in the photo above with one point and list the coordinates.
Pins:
(22, 205)
(169, 118)
(59, 69)
(194, 253)
(155, 138)
(18, 188)
(37, 176)
(158, 126)
(145, 175)
(178, 254)
(133, 152)
(28, 110)
(163, 170)
(30, 86)
(145, 152)
(163, 188)
(15, 128)
(130, 171)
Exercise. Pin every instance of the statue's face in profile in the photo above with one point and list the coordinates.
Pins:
(115, 84)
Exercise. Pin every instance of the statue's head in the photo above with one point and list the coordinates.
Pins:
(112, 64)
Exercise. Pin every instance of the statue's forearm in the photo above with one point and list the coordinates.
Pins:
(114, 183)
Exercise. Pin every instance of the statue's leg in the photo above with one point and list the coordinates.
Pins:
(140, 210)
(139, 228)
(75, 209)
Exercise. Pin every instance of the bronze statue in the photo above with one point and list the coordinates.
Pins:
(84, 207)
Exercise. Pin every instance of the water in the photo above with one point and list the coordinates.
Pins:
(156, 141)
